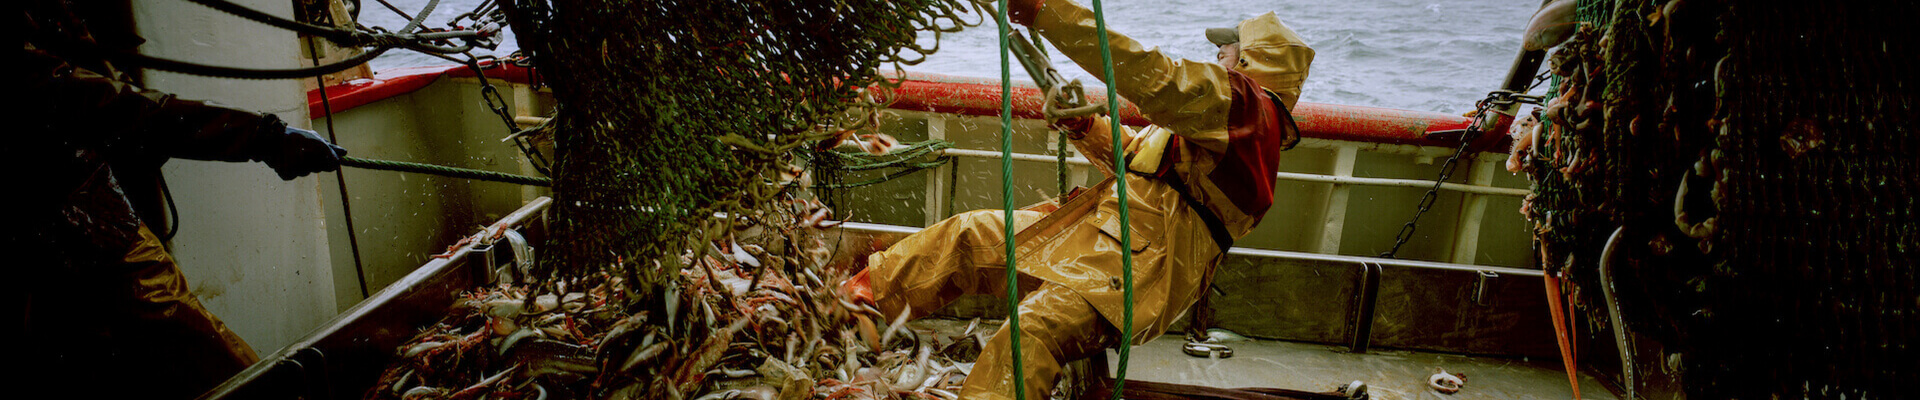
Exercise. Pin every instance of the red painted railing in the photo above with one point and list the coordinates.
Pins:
(972, 96)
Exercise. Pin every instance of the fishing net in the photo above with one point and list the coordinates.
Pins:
(674, 112)
(1760, 162)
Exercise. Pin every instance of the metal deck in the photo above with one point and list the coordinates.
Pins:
(1389, 374)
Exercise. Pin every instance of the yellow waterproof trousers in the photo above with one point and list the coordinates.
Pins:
(167, 324)
(131, 321)
(966, 254)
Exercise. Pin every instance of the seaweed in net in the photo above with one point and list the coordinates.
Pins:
(673, 112)
(1759, 161)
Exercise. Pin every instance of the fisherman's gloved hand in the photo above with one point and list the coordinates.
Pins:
(301, 152)
(1076, 127)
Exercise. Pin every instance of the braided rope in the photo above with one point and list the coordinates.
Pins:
(442, 170)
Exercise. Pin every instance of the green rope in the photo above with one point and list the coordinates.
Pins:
(1006, 186)
(1126, 235)
(895, 158)
(907, 166)
(909, 169)
(1060, 160)
(1006, 197)
(902, 158)
(443, 170)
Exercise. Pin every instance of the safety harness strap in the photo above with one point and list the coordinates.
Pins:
(1215, 227)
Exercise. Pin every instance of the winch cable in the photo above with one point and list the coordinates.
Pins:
(1006, 188)
(340, 177)
(386, 41)
(379, 43)
(344, 37)
(337, 35)
(396, 10)
(318, 70)
(193, 68)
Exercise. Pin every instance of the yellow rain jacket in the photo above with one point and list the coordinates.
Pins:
(1217, 131)
(104, 311)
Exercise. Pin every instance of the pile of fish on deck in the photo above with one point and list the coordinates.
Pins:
(746, 324)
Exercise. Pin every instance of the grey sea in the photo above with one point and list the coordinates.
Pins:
(1424, 55)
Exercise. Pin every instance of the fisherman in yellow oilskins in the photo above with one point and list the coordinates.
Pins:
(104, 311)
(1198, 179)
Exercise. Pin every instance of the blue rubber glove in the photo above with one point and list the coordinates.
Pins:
(303, 152)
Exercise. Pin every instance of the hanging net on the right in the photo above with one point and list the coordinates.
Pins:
(1761, 160)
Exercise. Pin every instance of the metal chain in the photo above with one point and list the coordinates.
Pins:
(1509, 97)
(491, 96)
(1498, 97)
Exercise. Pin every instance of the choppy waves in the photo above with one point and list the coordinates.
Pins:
(1405, 54)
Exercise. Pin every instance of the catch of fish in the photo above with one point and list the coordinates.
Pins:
(740, 323)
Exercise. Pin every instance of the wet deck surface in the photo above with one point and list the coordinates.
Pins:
(1389, 374)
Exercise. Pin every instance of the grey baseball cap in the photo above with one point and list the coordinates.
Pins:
(1223, 36)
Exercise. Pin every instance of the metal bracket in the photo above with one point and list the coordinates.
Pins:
(1365, 299)
(1480, 290)
(508, 257)
(1068, 97)
(485, 275)
(1199, 349)
(1355, 391)
(311, 378)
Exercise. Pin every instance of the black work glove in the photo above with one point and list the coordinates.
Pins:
(302, 152)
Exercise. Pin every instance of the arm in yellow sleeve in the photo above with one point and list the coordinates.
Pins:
(1189, 98)
(1096, 143)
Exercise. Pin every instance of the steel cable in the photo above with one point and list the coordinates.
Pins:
(193, 68)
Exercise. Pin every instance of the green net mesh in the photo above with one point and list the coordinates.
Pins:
(1760, 158)
(672, 111)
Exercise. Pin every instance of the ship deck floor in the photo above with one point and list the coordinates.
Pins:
(1390, 374)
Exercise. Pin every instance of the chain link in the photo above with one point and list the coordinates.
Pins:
(491, 95)
(1509, 97)
(1483, 108)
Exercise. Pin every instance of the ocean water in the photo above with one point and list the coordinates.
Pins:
(1426, 55)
